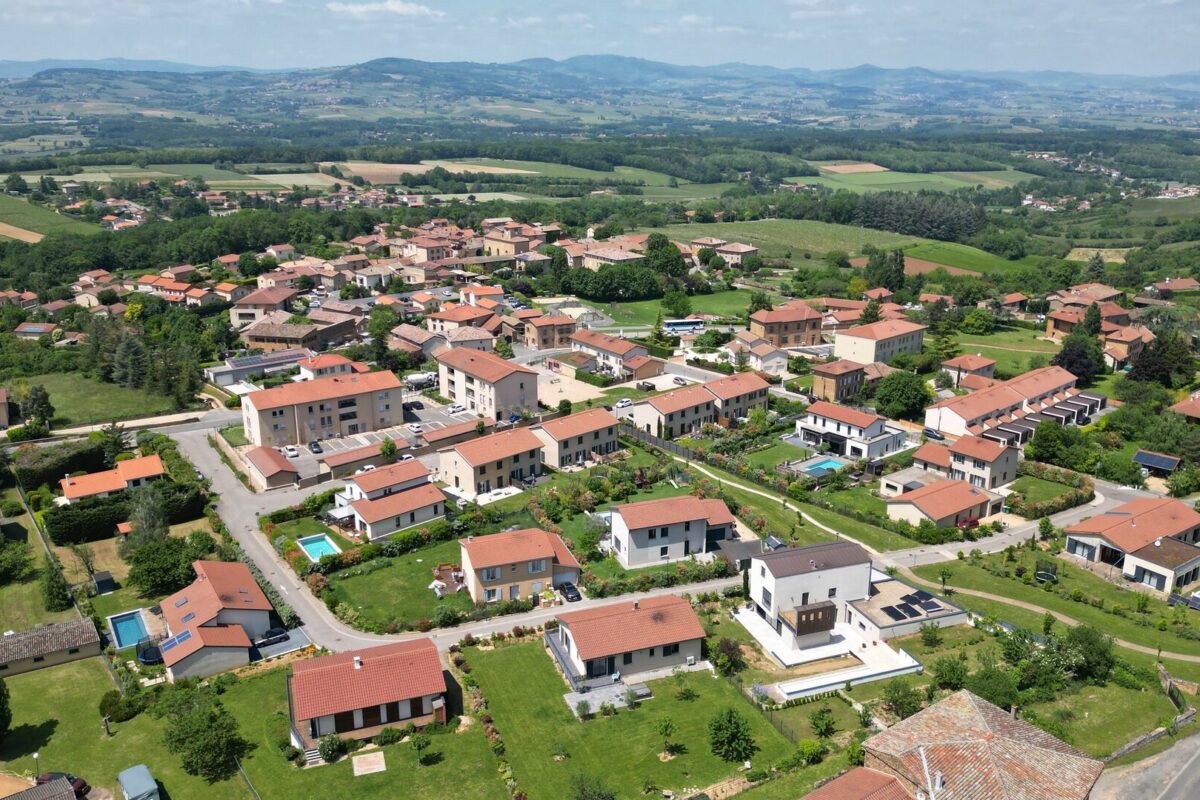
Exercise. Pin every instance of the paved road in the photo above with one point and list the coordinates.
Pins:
(1173, 774)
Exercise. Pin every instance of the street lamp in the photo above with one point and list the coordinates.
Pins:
(37, 769)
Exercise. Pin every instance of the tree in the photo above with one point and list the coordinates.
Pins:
(131, 361)
(147, 521)
(207, 739)
(1045, 529)
(83, 554)
(56, 594)
(387, 450)
(1095, 649)
(1081, 356)
(729, 736)
(379, 325)
(677, 304)
(587, 787)
(901, 699)
(112, 439)
(978, 322)
(945, 346)
(36, 406)
(15, 183)
(949, 672)
(666, 728)
(1048, 622)
(480, 428)
(945, 574)
(420, 742)
(1095, 269)
(664, 257)
(503, 349)
(5, 711)
(161, 567)
(1092, 321)
(870, 313)
(822, 722)
(902, 395)
(995, 684)
(759, 301)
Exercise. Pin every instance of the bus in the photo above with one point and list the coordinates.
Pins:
(679, 327)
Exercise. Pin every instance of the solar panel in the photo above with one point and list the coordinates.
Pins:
(174, 640)
(930, 606)
(923, 595)
(907, 610)
(1155, 460)
(910, 598)
(893, 613)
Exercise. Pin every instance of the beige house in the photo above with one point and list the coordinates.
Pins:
(599, 257)
(879, 341)
(838, 381)
(270, 469)
(613, 356)
(577, 438)
(962, 366)
(457, 317)
(128, 474)
(737, 395)
(304, 412)
(673, 414)
(486, 384)
(515, 565)
(48, 646)
(385, 515)
(735, 253)
(480, 465)
(256, 305)
(794, 324)
(945, 503)
(549, 332)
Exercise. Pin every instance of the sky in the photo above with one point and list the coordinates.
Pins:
(1140, 37)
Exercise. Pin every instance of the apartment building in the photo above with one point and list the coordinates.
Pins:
(303, 412)
(457, 317)
(515, 565)
(549, 332)
(486, 384)
(673, 414)
(879, 341)
(259, 303)
(481, 465)
(1012, 409)
(838, 381)
(793, 324)
(577, 438)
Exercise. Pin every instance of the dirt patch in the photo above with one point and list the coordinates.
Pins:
(665, 757)
(854, 169)
(20, 234)
(919, 266)
(1111, 255)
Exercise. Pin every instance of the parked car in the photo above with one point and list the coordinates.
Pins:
(270, 637)
(679, 380)
(367, 468)
(930, 433)
(403, 458)
(455, 409)
(415, 427)
(646, 386)
(624, 402)
(570, 593)
(446, 292)
(199, 475)
(291, 451)
(314, 447)
(78, 784)
(968, 523)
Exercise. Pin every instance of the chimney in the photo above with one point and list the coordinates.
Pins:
(470, 539)
(1158, 542)
(357, 662)
(1012, 710)
(635, 605)
(939, 781)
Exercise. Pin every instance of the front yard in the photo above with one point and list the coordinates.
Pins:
(525, 698)
(1037, 490)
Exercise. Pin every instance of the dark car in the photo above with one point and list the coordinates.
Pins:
(314, 447)
(569, 592)
(78, 784)
(930, 433)
(272, 636)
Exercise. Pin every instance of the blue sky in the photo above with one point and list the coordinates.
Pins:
(1129, 36)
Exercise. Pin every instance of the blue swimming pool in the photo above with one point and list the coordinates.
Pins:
(319, 545)
(127, 629)
(828, 464)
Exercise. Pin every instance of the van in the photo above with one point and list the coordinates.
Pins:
(646, 386)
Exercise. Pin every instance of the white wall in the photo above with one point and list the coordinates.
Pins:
(635, 548)
(209, 661)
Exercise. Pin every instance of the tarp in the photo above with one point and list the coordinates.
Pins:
(138, 784)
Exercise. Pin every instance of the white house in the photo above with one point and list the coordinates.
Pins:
(390, 499)
(1153, 541)
(801, 592)
(849, 432)
(670, 529)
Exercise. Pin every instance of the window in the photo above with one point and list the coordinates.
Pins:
(491, 595)
(804, 599)
(766, 598)
(832, 592)
(662, 552)
(627, 658)
(687, 526)
(652, 652)
(491, 574)
(670, 649)
(37, 659)
(653, 533)
(537, 566)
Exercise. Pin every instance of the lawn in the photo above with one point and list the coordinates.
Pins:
(79, 400)
(54, 715)
(467, 768)
(125, 598)
(777, 453)
(22, 607)
(795, 720)
(235, 435)
(863, 532)
(1020, 338)
(1101, 719)
(401, 590)
(860, 498)
(31, 217)
(965, 257)
(776, 238)
(643, 313)
(1071, 577)
(534, 720)
(1036, 490)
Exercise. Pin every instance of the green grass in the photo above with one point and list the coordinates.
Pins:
(1036, 490)
(400, 591)
(991, 179)
(467, 768)
(125, 598)
(886, 181)
(795, 720)
(777, 453)
(643, 313)
(21, 214)
(860, 498)
(1150, 208)
(235, 435)
(1021, 338)
(54, 714)
(1104, 718)
(871, 535)
(79, 400)
(777, 237)
(798, 783)
(622, 750)
(21, 603)
(207, 172)
(965, 257)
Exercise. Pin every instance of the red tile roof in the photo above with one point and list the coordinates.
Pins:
(602, 341)
(670, 511)
(1138, 523)
(269, 461)
(933, 453)
(634, 625)
(1188, 408)
(487, 367)
(861, 783)
(975, 447)
(386, 674)
(496, 446)
(850, 416)
(969, 363)
(210, 636)
(736, 385)
(390, 476)
(680, 399)
(218, 585)
(579, 424)
(839, 367)
(796, 313)
(511, 547)
(112, 480)
(883, 330)
(393, 505)
(945, 498)
(321, 389)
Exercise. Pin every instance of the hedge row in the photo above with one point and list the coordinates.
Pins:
(1081, 490)
(35, 466)
(96, 518)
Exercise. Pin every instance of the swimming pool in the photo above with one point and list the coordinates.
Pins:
(829, 464)
(319, 545)
(127, 629)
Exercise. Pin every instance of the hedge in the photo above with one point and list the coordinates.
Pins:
(35, 466)
(595, 380)
(96, 518)
(1081, 490)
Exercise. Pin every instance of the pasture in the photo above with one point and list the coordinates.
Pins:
(779, 238)
(873, 178)
(971, 259)
(1111, 255)
(29, 218)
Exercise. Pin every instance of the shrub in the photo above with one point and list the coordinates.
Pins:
(330, 747)
(388, 736)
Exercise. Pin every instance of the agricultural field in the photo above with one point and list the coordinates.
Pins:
(1147, 209)
(1111, 255)
(644, 312)
(964, 257)
(777, 238)
(28, 222)
(873, 178)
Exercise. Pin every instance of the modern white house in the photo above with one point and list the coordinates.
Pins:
(670, 529)
(849, 432)
(380, 502)
(1152, 541)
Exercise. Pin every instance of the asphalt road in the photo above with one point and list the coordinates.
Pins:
(1173, 774)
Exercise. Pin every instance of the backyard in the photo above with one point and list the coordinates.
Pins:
(535, 722)
(21, 601)
(1037, 490)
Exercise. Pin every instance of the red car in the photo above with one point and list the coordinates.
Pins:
(968, 523)
(78, 784)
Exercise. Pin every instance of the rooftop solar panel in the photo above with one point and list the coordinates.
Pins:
(930, 606)
(907, 610)
(910, 598)
(174, 640)
(923, 595)
(893, 613)
(1155, 460)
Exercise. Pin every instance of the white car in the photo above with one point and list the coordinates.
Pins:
(405, 457)
(367, 468)
(446, 292)
(415, 427)
(624, 402)
(290, 451)
(455, 409)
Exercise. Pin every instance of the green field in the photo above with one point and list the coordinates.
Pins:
(884, 181)
(1011, 348)
(534, 720)
(21, 214)
(1149, 208)
(991, 179)
(964, 257)
(206, 171)
(775, 238)
(1037, 490)
(79, 400)
(768, 458)
(21, 601)
(644, 312)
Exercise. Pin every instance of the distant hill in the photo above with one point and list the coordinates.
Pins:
(26, 69)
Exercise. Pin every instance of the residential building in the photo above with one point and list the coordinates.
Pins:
(962, 366)
(1011, 410)
(802, 591)
(794, 324)
(1153, 542)
(578, 438)
(486, 384)
(736, 396)
(668, 529)
(270, 469)
(257, 304)
(471, 295)
(213, 620)
(34, 330)
(390, 499)
(457, 317)
(303, 412)
(735, 253)
(327, 366)
(838, 381)
(47, 646)
(58, 789)
(945, 503)
(627, 638)
(759, 355)
(128, 474)
(240, 368)
(860, 783)
(598, 257)
(515, 565)
(549, 332)
(964, 748)
(673, 414)
(1189, 408)
(1083, 295)
(849, 432)
(879, 341)
(613, 355)
(358, 693)
(480, 465)
(1165, 288)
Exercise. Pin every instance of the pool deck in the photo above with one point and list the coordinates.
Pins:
(152, 625)
(316, 537)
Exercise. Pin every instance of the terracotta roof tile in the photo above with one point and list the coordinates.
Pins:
(634, 625)
(849, 416)
(945, 498)
(861, 783)
(321, 389)
(670, 511)
(511, 547)
(398, 503)
(269, 461)
(883, 330)
(496, 446)
(387, 674)
(483, 366)
(579, 424)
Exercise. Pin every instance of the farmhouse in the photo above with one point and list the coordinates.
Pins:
(47, 646)
(515, 565)
(1153, 541)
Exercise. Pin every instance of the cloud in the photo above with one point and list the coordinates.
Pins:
(398, 8)
(577, 19)
(694, 20)
(814, 9)
(519, 23)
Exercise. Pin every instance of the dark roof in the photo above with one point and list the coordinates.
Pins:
(1148, 458)
(1168, 552)
(47, 639)
(814, 558)
(57, 789)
